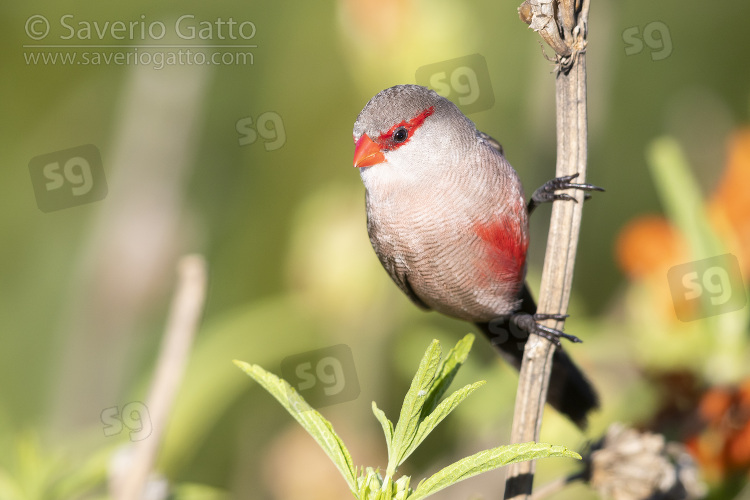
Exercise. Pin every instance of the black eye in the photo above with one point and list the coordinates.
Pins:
(400, 134)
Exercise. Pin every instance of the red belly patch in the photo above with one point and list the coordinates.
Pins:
(506, 244)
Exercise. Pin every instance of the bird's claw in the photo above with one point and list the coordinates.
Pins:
(529, 324)
(546, 193)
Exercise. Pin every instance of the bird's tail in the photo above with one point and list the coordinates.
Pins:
(570, 392)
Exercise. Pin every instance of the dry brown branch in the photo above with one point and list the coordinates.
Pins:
(558, 22)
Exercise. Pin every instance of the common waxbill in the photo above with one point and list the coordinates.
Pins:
(447, 218)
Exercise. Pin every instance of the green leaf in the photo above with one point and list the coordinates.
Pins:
(485, 461)
(401, 488)
(313, 422)
(386, 424)
(211, 385)
(447, 371)
(369, 482)
(686, 208)
(87, 476)
(681, 197)
(412, 408)
(428, 424)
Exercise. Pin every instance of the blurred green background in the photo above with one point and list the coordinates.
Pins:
(251, 165)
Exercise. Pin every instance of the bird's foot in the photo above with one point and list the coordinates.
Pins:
(546, 193)
(528, 323)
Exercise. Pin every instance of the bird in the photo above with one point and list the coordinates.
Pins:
(448, 220)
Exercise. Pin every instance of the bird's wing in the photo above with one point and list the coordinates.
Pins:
(399, 274)
(398, 271)
(402, 280)
(491, 141)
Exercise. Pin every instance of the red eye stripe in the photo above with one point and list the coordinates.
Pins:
(386, 139)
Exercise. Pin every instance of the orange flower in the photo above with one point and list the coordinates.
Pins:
(722, 447)
(714, 405)
(730, 203)
(380, 22)
(738, 448)
(647, 245)
(646, 248)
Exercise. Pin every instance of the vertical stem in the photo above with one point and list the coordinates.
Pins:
(559, 261)
(184, 317)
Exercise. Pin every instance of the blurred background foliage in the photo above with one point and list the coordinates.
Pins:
(85, 290)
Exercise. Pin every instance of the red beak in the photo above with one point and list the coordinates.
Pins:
(367, 153)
